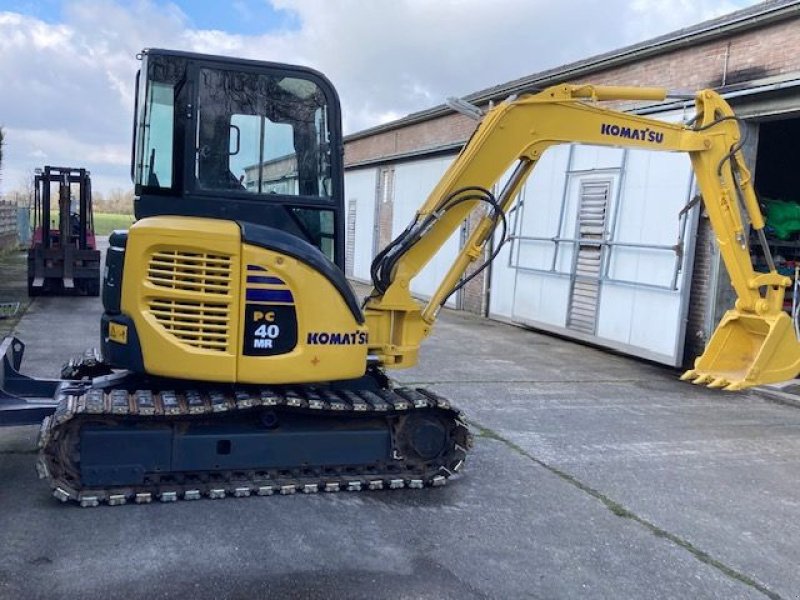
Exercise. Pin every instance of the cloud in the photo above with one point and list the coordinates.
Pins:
(66, 89)
(113, 155)
(66, 95)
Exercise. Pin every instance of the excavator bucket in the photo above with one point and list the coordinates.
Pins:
(747, 350)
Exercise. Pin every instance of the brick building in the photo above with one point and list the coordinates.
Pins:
(749, 56)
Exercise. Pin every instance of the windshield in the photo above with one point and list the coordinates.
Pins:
(249, 143)
(262, 134)
(155, 132)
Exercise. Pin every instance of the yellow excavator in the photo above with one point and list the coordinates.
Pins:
(236, 359)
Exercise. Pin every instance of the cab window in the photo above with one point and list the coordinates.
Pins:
(261, 134)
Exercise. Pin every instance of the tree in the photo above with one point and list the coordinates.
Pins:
(117, 201)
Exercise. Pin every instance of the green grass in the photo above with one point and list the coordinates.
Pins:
(105, 223)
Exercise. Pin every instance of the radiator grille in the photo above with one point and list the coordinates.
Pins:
(203, 319)
(190, 271)
(198, 324)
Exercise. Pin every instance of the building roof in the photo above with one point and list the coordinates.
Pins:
(747, 18)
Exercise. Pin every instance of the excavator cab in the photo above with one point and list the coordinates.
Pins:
(237, 257)
(239, 140)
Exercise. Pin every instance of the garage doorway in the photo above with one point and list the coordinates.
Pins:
(777, 182)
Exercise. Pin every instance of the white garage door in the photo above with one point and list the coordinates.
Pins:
(599, 252)
(413, 182)
(359, 186)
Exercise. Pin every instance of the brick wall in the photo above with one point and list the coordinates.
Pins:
(751, 55)
(419, 136)
(700, 296)
(473, 294)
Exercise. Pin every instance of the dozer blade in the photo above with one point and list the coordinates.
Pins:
(747, 350)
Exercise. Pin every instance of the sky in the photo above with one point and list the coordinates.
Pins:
(67, 67)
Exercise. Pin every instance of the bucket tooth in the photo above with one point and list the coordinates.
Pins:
(689, 375)
(735, 386)
(718, 383)
(703, 379)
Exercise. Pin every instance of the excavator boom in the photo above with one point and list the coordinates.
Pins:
(755, 342)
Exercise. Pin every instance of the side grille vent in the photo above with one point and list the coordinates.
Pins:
(195, 303)
(190, 271)
(198, 324)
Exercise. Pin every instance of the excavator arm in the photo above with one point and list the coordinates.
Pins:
(755, 341)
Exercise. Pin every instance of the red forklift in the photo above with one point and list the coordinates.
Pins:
(63, 258)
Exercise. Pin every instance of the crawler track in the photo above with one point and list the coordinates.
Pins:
(403, 410)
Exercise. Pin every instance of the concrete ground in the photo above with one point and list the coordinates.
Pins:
(592, 476)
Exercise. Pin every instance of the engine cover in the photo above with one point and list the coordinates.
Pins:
(206, 304)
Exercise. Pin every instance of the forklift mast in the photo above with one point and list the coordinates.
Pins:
(75, 213)
(63, 257)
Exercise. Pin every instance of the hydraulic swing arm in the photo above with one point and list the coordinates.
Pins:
(754, 343)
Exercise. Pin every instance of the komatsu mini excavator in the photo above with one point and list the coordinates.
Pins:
(236, 359)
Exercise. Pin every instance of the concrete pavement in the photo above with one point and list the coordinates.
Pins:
(593, 476)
